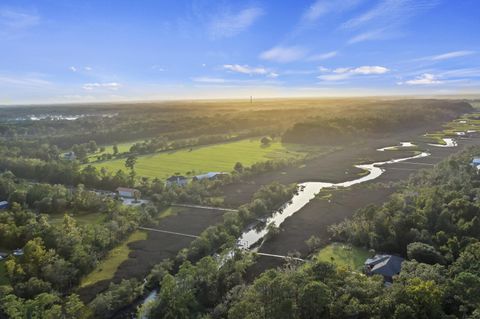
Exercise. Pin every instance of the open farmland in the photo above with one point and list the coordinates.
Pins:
(197, 160)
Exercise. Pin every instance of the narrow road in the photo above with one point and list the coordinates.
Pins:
(167, 232)
(280, 256)
(206, 207)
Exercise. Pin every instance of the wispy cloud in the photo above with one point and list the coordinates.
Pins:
(24, 80)
(283, 54)
(105, 85)
(450, 55)
(230, 24)
(323, 56)
(206, 79)
(17, 19)
(424, 79)
(245, 69)
(346, 73)
(383, 19)
(321, 8)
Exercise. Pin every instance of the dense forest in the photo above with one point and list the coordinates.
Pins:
(374, 119)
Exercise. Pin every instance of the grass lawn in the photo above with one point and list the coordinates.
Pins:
(344, 255)
(203, 159)
(3, 275)
(106, 269)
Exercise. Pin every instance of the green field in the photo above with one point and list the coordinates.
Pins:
(344, 255)
(122, 148)
(106, 269)
(203, 159)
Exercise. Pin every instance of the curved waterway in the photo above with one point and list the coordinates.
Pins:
(449, 142)
(402, 144)
(306, 193)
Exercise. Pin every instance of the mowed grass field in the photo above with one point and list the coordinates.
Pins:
(212, 158)
(344, 255)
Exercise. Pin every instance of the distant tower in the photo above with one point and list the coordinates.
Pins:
(251, 99)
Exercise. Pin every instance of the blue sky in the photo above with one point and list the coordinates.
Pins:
(83, 51)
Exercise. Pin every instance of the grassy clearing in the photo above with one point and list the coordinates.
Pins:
(106, 269)
(3, 274)
(122, 148)
(202, 159)
(344, 255)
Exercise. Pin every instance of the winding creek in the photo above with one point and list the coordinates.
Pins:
(307, 192)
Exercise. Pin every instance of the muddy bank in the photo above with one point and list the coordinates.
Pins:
(158, 246)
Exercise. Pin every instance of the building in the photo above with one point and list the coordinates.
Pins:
(177, 180)
(3, 255)
(128, 192)
(70, 156)
(210, 176)
(385, 265)
(3, 204)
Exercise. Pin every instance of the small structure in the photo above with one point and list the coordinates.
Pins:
(177, 180)
(18, 252)
(3, 255)
(210, 176)
(70, 156)
(3, 204)
(128, 192)
(476, 163)
(385, 265)
(461, 134)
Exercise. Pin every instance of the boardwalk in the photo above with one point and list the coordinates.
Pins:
(167, 232)
(206, 207)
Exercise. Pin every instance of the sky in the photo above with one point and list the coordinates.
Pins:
(56, 51)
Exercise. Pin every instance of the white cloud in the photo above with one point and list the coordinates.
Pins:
(88, 68)
(228, 24)
(424, 79)
(245, 69)
(451, 55)
(283, 54)
(13, 19)
(323, 56)
(73, 69)
(105, 85)
(206, 79)
(345, 73)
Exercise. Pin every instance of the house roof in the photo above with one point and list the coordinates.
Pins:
(126, 189)
(476, 161)
(389, 266)
(176, 178)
